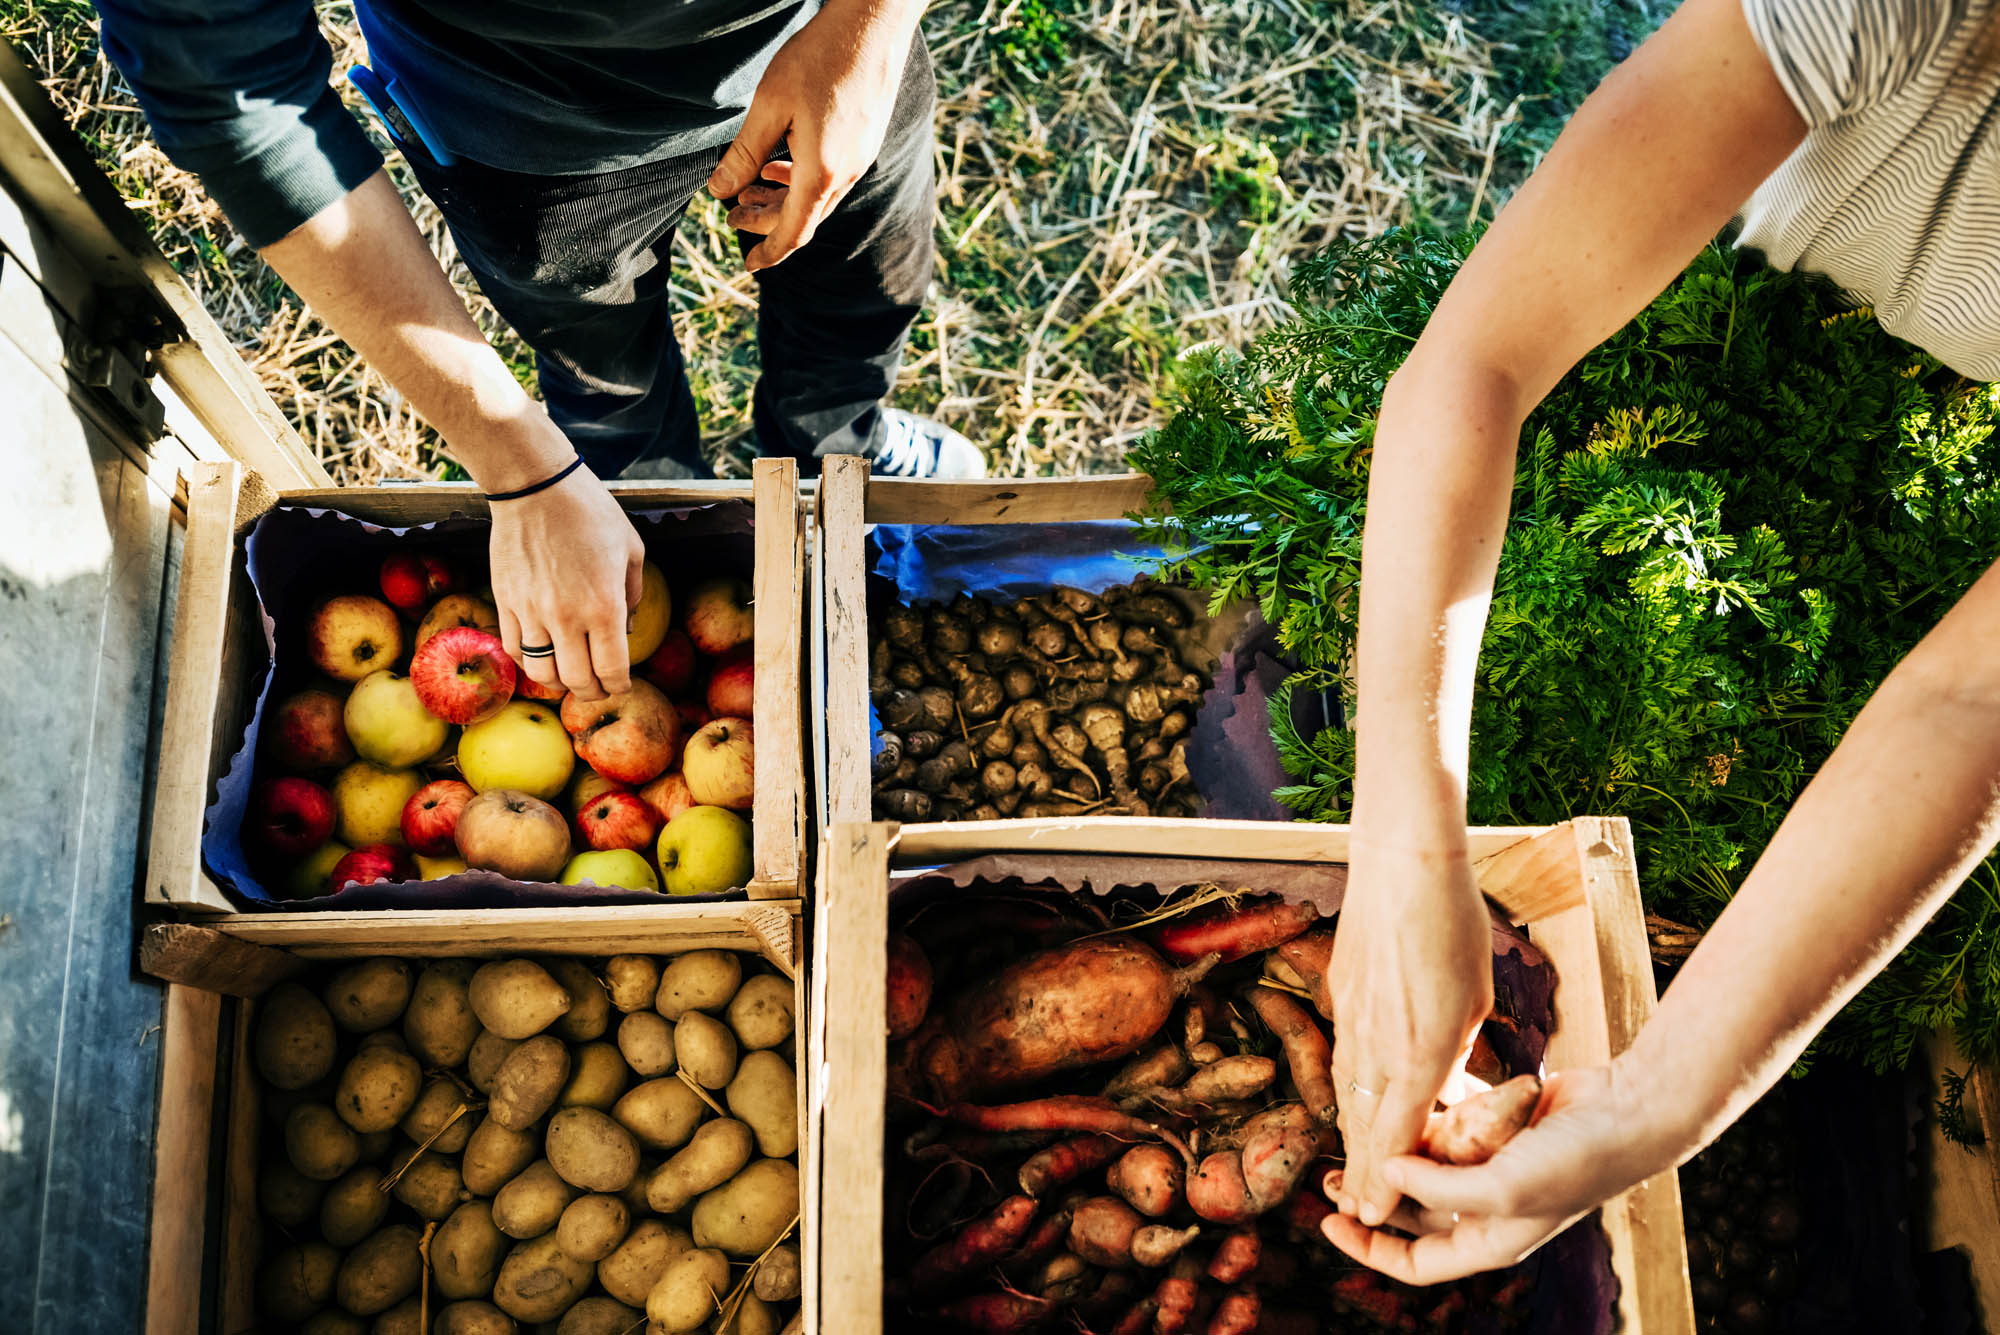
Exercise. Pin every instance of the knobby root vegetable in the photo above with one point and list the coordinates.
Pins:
(1156, 1244)
(1060, 1112)
(909, 985)
(1149, 1178)
(1307, 1051)
(1048, 1235)
(1274, 1158)
(978, 1245)
(1217, 1082)
(1216, 1190)
(1474, 1131)
(1101, 1230)
(1176, 1298)
(1138, 1321)
(1311, 958)
(1238, 1314)
(996, 1312)
(1064, 1162)
(1163, 1066)
(1232, 933)
(1236, 1257)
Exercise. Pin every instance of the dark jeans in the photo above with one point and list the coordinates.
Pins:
(578, 265)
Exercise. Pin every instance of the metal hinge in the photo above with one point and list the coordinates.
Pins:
(116, 363)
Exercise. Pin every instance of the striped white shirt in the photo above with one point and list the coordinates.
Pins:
(1895, 192)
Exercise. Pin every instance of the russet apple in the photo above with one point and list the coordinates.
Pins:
(523, 747)
(705, 850)
(720, 764)
(291, 816)
(515, 834)
(718, 616)
(308, 731)
(430, 817)
(409, 580)
(369, 800)
(353, 635)
(630, 736)
(619, 820)
(732, 685)
(462, 674)
(436, 869)
(671, 667)
(388, 724)
(668, 795)
(458, 609)
(613, 867)
(648, 623)
(371, 863)
(308, 878)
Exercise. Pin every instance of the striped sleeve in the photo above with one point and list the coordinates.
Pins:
(1837, 57)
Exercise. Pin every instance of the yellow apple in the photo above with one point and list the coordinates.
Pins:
(705, 850)
(619, 867)
(648, 625)
(585, 787)
(436, 869)
(369, 800)
(523, 747)
(457, 609)
(388, 724)
(308, 878)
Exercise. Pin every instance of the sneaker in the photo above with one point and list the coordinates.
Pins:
(917, 447)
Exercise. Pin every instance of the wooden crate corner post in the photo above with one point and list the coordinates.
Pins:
(778, 817)
(841, 549)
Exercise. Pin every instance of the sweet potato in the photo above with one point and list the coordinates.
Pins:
(1064, 1278)
(1311, 958)
(1238, 1314)
(1474, 1131)
(1049, 1234)
(909, 985)
(1366, 1294)
(1149, 1178)
(1307, 1051)
(1067, 1160)
(1216, 1190)
(1164, 1066)
(1305, 1210)
(1223, 1081)
(1175, 1300)
(1101, 1229)
(1237, 1256)
(1060, 1112)
(1230, 932)
(1139, 1320)
(979, 1244)
(1274, 1158)
(997, 1312)
(1156, 1244)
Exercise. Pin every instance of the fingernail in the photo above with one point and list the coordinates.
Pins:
(1370, 1214)
(1330, 1184)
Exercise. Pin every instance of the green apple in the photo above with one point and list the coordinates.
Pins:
(704, 850)
(612, 866)
(523, 748)
(436, 869)
(308, 878)
(368, 802)
(388, 724)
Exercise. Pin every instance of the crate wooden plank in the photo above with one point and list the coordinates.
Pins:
(843, 492)
(402, 504)
(184, 953)
(190, 1045)
(778, 815)
(1152, 836)
(1053, 500)
(1964, 1180)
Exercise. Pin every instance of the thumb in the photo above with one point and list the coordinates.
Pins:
(747, 153)
(1482, 1190)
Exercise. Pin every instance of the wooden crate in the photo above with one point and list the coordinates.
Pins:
(205, 1217)
(218, 652)
(1573, 886)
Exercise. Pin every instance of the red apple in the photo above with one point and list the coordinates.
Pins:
(732, 685)
(619, 820)
(514, 834)
(718, 616)
(528, 688)
(695, 715)
(309, 731)
(291, 816)
(668, 795)
(720, 764)
(671, 667)
(371, 863)
(630, 737)
(410, 580)
(430, 817)
(354, 635)
(463, 674)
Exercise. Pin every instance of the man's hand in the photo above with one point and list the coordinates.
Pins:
(827, 95)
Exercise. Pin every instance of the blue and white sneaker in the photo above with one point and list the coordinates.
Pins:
(917, 447)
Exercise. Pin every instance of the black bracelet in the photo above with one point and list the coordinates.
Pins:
(543, 485)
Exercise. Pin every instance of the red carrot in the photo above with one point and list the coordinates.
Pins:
(997, 1312)
(1239, 1313)
(1307, 1050)
(1311, 958)
(1067, 1160)
(1232, 933)
(1060, 1112)
(1475, 1130)
(1237, 1256)
(979, 1244)
(909, 985)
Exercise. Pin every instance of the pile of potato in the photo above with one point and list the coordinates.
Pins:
(554, 1145)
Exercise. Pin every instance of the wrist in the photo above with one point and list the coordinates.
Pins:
(509, 454)
(1662, 1120)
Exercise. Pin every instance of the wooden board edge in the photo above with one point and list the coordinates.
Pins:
(1536, 877)
(1160, 836)
(778, 603)
(843, 498)
(213, 961)
(730, 925)
(1007, 500)
(190, 1043)
(242, 1245)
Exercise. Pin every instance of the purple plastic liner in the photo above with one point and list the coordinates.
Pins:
(297, 555)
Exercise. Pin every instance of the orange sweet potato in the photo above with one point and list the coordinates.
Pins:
(1474, 1131)
(1311, 957)
(909, 985)
(1101, 1229)
(1216, 1190)
(1149, 1178)
(1232, 933)
(1307, 1051)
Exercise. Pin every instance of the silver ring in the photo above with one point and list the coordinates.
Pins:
(538, 651)
(1353, 1087)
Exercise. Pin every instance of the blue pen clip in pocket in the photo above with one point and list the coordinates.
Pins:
(405, 126)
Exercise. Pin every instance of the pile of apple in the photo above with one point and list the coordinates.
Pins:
(425, 751)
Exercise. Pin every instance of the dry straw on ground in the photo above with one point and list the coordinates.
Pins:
(1118, 180)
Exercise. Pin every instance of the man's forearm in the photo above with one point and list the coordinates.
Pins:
(366, 270)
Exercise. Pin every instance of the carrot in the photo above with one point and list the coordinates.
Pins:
(1216, 1190)
(1232, 933)
(1176, 1297)
(1474, 1131)
(909, 985)
(1222, 1081)
(1037, 1246)
(1273, 1159)
(1307, 1051)
(1238, 1314)
(1164, 1065)
(1238, 1255)
(1156, 1244)
(1101, 1229)
(1059, 1112)
(1311, 958)
(1149, 1178)
(1067, 1160)
(998, 1312)
(978, 1245)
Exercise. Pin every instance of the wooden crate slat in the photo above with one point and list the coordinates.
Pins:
(778, 825)
(190, 1040)
(1053, 500)
(202, 957)
(843, 493)
(1154, 836)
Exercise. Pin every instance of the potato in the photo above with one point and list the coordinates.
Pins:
(319, 1144)
(661, 1113)
(297, 1281)
(517, 998)
(717, 1153)
(753, 1317)
(380, 1272)
(483, 1062)
(751, 1211)
(589, 1013)
(383, 1038)
(647, 1043)
(765, 1094)
(353, 1207)
(436, 1112)
(375, 1145)
(538, 1280)
(495, 1156)
(294, 1044)
(761, 1011)
(369, 994)
(633, 979)
(591, 1151)
(474, 1318)
(634, 1194)
(597, 1076)
(528, 1082)
(701, 980)
(705, 1049)
(378, 1087)
(780, 1277)
(466, 1251)
(529, 1206)
(333, 1321)
(439, 1022)
(688, 1290)
(431, 1185)
(405, 1318)
(631, 1271)
(599, 1315)
(593, 1226)
(285, 1196)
